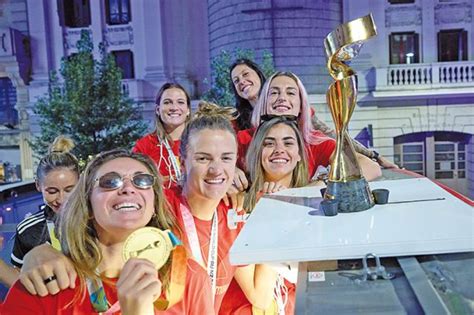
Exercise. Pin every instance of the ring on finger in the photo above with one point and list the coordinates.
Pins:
(49, 279)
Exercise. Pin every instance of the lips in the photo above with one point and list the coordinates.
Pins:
(245, 89)
(281, 108)
(127, 206)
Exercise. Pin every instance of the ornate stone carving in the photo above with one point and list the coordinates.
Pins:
(402, 16)
(72, 36)
(118, 35)
(447, 13)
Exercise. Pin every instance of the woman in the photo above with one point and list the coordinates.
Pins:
(118, 193)
(208, 155)
(56, 175)
(278, 158)
(284, 95)
(173, 109)
(248, 79)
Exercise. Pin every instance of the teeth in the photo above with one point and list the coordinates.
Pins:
(279, 161)
(214, 181)
(127, 206)
(246, 89)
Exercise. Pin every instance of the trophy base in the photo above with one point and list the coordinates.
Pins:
(352, 196)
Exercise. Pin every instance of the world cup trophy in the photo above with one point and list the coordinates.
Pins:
(346, 183)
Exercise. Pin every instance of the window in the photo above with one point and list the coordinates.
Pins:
(401, 1)
(8, 113)
(74, 13)
(118, 11)
(452, 45)
(404, 48)
(124, 59)
(411, 156)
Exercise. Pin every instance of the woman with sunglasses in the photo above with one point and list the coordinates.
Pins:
(118, 193)
(284, 95)
(278, 160)
(173, 109)
(56, 175)
(247, 82)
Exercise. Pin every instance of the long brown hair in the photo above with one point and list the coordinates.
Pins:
(254, 160)
(78, 235)
(159, 127)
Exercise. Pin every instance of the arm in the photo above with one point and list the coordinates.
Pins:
(359, 147)
(258, 283)
(42, 262)
(8, 274)
(370, 169)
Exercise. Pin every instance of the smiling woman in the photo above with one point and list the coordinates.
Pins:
(173, 109)
(56, 176)
(119, 193)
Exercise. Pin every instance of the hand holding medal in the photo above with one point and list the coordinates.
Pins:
(156, 246)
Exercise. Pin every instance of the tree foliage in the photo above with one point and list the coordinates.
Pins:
(220, 85)
(87, 103)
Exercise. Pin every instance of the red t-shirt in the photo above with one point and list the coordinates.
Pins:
(235, 302)
(226, 237)
(317, 154)
(197, 298)
(150, 145)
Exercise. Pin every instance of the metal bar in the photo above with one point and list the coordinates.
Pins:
(418, 200)
(426, 294)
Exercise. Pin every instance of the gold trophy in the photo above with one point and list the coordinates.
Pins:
(346, 183)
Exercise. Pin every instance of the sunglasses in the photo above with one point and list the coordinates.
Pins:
(114, 180)
(265, 118)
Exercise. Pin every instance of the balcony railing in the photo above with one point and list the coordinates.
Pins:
(426, 76)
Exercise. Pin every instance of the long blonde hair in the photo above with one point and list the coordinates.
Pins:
(78, 235)
(299, 176)
(310, 135)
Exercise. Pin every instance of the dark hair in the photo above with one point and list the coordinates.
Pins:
(160, 129)
(243, 106)
(58, 157)
(208, 116)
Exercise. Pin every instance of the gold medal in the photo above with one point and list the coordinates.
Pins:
(149, 243)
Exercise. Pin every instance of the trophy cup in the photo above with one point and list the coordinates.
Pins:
(346, 183)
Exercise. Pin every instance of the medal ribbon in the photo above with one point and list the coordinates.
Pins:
(174, 161)
(190, 229)
(175, 289)
(52, 235)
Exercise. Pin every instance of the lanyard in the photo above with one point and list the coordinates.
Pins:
(174, 161)
(52, 235)
(190, 228)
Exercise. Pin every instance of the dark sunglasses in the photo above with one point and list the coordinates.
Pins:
(267, 117)
(114, 180)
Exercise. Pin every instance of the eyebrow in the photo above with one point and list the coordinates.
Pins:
(208, 154)
(284, 138)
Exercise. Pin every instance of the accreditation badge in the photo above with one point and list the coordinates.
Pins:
(148, 243)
